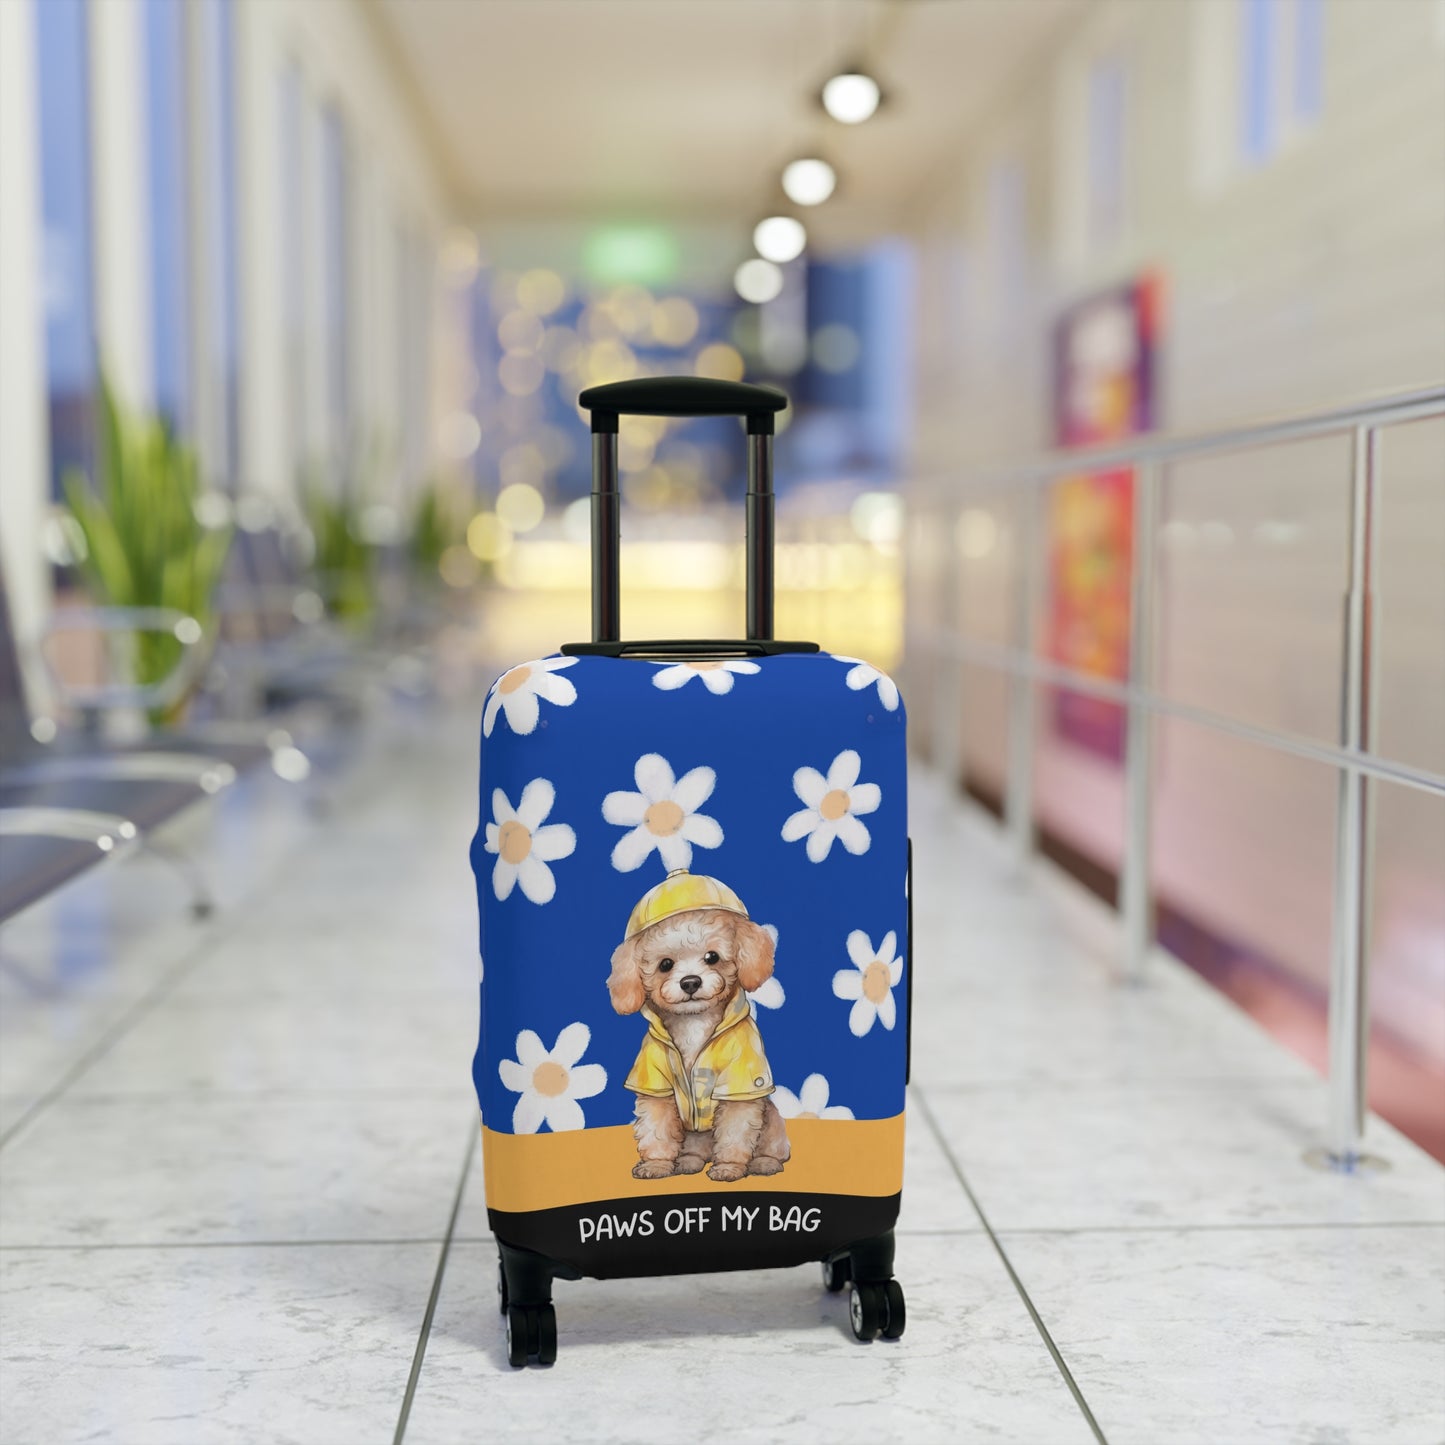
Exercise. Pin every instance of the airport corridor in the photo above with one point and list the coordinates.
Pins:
(243, 1195)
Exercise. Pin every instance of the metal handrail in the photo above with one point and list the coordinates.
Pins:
(1352, 756)
(1040, 669)
(1391, 409)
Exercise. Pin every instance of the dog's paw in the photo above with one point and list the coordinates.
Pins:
(763, 1164)
(689, 1164)
(726, 1173)
(651, 1169)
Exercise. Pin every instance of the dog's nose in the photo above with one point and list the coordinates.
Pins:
(690, 984)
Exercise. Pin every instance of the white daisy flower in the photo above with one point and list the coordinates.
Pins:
(551, 1081)
(663, 815)
(516, 692)
(523, 846)
(832, 807)
(863, 674)
(717, 677)
(768, 994)
(870, 982)
(810, 1102)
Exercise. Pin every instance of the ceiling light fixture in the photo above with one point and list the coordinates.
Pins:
(758, 280)
(809, 181)
(780, 239)
(852, 96)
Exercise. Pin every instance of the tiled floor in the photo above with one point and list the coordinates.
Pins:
(239, 1198)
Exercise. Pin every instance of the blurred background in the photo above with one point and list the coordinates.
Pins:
(298, 297)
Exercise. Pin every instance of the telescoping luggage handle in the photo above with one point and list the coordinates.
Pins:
(682, 396)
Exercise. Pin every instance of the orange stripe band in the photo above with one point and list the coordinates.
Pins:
(526, 1172)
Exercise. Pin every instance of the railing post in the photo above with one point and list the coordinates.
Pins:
(1135, 875)
(1023, 693)
(948, 664)
(1349, 1023)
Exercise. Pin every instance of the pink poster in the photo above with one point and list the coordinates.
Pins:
(1104, 391)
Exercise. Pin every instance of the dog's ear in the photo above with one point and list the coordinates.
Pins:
(625, 984)
(754, 953)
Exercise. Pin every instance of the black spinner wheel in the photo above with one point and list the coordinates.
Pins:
(897, 1311)
(867, 1310)
(517, 1345)
(546, 1328)
(502, 1300)
(531, 1334)
(837, 1273)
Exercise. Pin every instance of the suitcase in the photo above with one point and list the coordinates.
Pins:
(692, 878)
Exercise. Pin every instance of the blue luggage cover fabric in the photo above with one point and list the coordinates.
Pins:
(781, 778)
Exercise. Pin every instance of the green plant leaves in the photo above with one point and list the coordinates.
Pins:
(144, 543)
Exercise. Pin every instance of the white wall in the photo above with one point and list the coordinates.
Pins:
(1309, 279)
(1312, 278)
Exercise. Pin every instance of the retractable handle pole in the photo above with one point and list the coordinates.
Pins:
(681, 396)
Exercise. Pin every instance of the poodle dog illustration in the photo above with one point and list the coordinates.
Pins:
(688, 962)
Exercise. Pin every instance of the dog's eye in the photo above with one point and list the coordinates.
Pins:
(710, 957)
(665, 966)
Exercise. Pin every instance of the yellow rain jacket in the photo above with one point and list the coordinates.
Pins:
(731, 1066)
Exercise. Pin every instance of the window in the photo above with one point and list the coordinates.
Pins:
(220, 360)
(67, 285)
(1106, 121)
(1257, 61)
(293, 260)
(413, 353)
(1309, 66)
(1281, 85)
(166, 152)
(336, 284)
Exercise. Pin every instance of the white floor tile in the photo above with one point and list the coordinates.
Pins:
(209, 1346)
(318, 1040)
(750, 1357)
(79, 944)
(1320, 1337)
(1063, 1024)
(385, 955)
(173, 1170)
(13, 1108)
(40, 1042)
(1110, 1156)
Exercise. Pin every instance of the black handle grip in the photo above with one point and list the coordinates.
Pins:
(682, 396)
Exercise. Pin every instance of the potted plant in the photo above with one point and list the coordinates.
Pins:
(147, 539)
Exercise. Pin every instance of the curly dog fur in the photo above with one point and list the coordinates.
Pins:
(688, 969)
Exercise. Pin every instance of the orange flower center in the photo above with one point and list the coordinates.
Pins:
(663, 819)
(514, 679)
(514, 842)
(834, 805)
(876, 981)
(704, 666)
(549, 1079)
(805, 1114)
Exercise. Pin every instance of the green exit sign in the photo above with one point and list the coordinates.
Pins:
(644, 255)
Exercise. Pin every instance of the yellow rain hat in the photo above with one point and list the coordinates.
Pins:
(682, 892)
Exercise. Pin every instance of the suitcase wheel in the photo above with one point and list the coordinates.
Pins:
(897, 1311)
(531, 1335)
(502, 1300)
(837, 1273)
(876, 1309)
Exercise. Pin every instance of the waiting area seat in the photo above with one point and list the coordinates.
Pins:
(69, 803)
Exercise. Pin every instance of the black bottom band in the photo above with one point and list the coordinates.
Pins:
(696, 1234)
